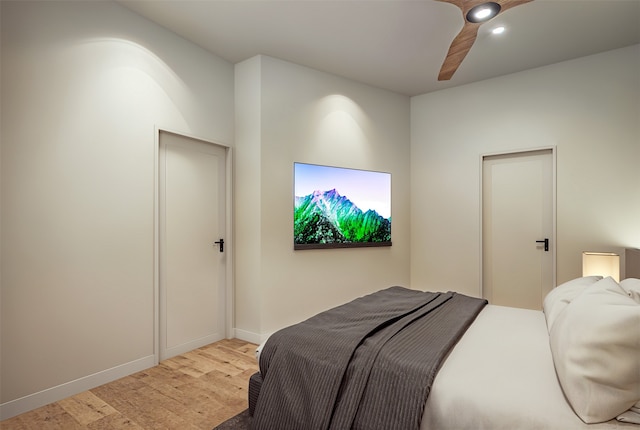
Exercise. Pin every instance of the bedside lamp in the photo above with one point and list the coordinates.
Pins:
(601, 263)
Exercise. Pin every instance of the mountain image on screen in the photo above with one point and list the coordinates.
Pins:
(328, 217)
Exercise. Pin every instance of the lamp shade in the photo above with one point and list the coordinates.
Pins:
(601, 263)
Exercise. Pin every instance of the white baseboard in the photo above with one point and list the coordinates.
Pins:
(62, 391)
(248, 336)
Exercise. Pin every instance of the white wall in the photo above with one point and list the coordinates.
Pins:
(84, 84)
(313, 117)
(248, 271)
(588, 108)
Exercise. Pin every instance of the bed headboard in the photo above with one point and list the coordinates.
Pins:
(632, 263)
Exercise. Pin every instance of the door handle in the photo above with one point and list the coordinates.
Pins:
(221, 243)
(545, 241)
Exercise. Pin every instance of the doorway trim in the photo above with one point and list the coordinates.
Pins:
(229, 239)
(554, 248)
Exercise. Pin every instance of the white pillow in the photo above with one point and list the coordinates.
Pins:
(632, 287)
(558, 298)
(595, 345)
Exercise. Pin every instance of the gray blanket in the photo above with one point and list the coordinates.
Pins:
(368, 364)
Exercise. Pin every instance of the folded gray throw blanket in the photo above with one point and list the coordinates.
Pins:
(368, 364)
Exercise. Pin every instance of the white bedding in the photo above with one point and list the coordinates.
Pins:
(500, 376)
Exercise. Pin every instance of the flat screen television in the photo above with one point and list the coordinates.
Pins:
(337, 207)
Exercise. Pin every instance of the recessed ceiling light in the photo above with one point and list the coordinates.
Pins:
(483, 12)
(498, 30)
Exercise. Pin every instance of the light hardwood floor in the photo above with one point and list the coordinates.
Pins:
(196, 390)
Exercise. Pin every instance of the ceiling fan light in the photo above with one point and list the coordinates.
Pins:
(483, 12)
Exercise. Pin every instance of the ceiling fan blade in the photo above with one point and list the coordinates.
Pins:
(508, 4)
(459, 49)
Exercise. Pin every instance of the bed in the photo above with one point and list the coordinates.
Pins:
(575, 365)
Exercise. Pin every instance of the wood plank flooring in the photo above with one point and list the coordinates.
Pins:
(196, 390)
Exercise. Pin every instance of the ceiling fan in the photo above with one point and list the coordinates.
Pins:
(475, 13)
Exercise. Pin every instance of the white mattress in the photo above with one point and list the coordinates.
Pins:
(500, 376)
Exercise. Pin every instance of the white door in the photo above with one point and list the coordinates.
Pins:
(517, 219)
(192, 267)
